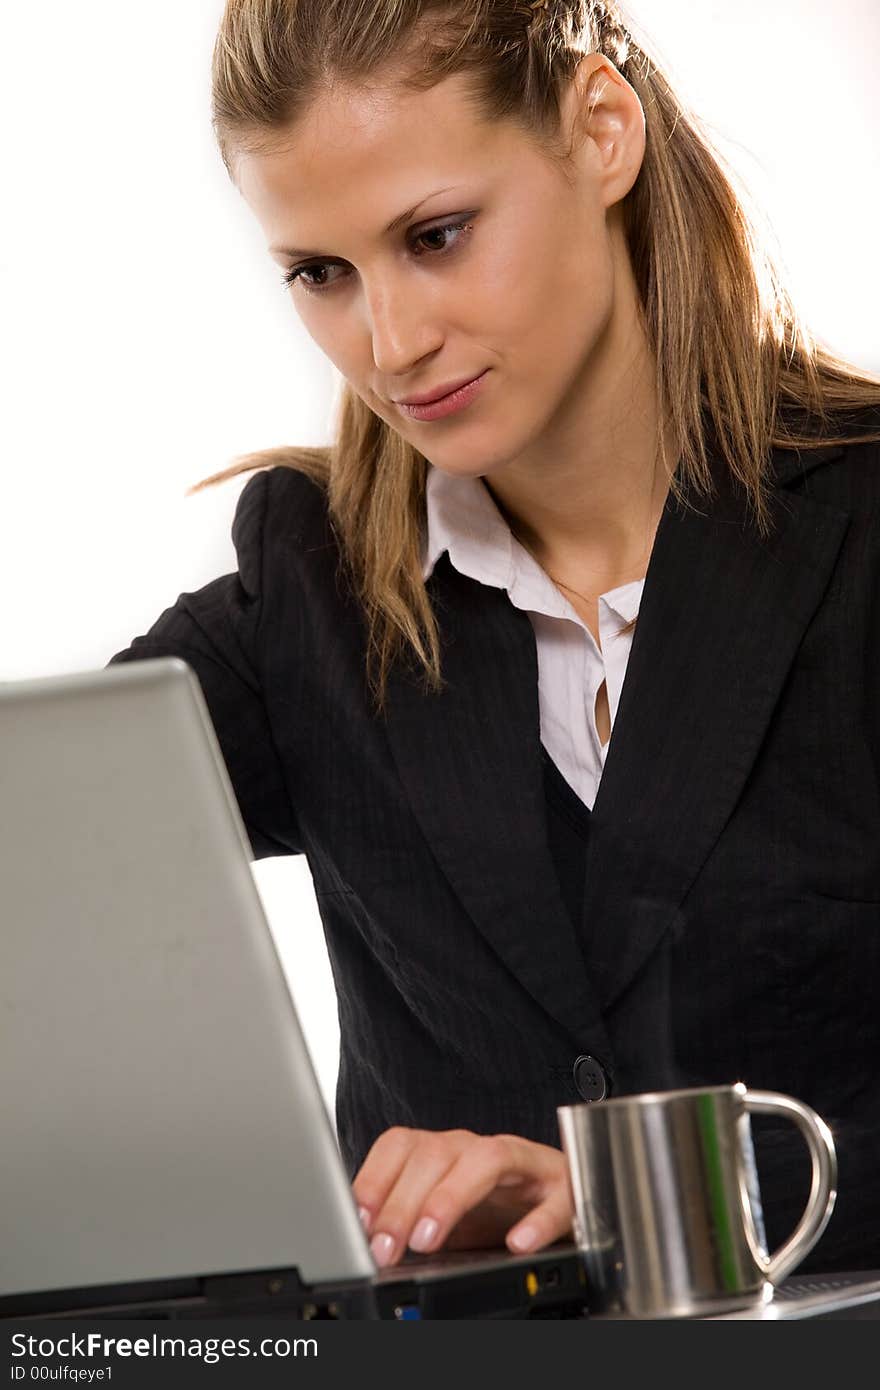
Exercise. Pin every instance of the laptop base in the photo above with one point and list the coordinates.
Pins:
(504, 1289)
(258, 1293)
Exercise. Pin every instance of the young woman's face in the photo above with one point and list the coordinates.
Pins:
(503, 268)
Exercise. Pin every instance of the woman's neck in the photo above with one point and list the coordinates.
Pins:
(589, 514)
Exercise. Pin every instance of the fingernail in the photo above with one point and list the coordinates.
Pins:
(424, 1233)
(523, 1238)
(382, 1247)
(366, 1218)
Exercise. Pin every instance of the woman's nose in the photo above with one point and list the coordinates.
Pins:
(403, 326)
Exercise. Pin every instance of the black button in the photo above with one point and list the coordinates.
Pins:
(590, 1078)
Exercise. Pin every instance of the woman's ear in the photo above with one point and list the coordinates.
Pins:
(607, 125)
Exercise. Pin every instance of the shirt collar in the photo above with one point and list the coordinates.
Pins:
(464, 520)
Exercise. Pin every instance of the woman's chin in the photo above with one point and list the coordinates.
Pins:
(472, 459)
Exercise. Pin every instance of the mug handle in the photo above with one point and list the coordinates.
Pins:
(823, 1186)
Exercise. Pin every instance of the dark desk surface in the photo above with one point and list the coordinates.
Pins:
(829, 1296)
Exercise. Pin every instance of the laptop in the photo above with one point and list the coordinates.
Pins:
(167, 1150)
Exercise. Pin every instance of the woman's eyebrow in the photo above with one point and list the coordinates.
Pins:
(294, 253)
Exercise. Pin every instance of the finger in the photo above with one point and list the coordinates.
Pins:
(402, 1218)
(550, 1220)
(381, 1169)
(483, 1165)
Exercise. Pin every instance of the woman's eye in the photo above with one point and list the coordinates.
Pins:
(464, 226)
(303, 271)
(316, 268)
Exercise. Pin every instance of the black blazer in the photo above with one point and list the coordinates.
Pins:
(732, 916)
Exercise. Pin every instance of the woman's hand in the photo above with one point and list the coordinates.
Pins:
(428, 1188)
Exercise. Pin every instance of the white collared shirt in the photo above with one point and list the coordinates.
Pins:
(464, 520)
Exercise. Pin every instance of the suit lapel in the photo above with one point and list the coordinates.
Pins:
(722, 614)
(470, 760)
(721, 617)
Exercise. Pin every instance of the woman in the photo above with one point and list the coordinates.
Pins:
(650, 471)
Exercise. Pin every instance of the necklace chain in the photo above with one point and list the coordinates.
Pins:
(588, 598)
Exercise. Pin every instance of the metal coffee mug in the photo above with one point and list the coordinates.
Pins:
(667, 1207)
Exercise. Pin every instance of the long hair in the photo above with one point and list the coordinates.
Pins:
(734, 360)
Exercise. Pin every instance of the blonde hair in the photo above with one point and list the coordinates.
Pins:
(734, 361)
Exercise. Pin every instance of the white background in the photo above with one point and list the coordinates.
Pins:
(147, 338)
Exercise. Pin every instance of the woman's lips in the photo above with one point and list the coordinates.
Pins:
(446, 405)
